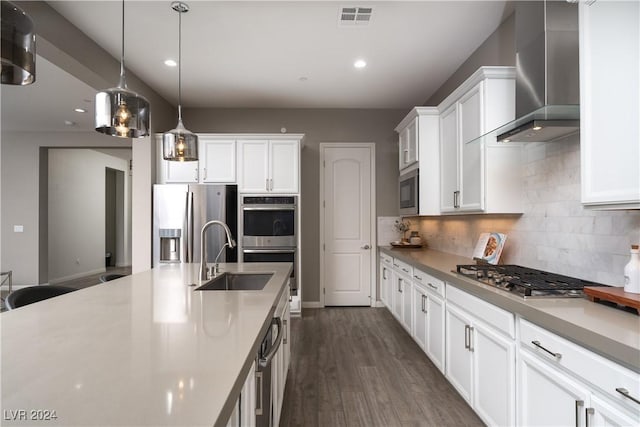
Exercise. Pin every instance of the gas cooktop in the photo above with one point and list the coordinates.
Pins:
(526, 282)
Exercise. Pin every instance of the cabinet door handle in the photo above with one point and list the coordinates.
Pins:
(205, 173)
(271, 184)
(196, 175)
(466, 336)
(400, 285)
(406, 156)
(625, 393)
(471, 348)
(384, 273)
(284, 331)
(424, 298)
(456, 199)
(579, 404)
(259, 390)
(556, 355)
(266, 185)
(587, 412)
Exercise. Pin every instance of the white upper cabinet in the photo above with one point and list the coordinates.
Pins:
(408, 143)
(419, 147)
(218, 160)
(269, 166)
(478, 174)
(610, 103)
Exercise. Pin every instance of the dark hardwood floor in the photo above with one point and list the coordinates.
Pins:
(359, 367)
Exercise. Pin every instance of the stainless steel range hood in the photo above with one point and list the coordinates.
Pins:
(547, 72)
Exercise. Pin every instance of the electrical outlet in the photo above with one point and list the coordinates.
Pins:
(18, 228)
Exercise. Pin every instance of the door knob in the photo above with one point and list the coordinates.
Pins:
(366, 247)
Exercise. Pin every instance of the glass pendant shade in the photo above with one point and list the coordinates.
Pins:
(119, 111)
(18, 46)
(122, 113)
(180, 144)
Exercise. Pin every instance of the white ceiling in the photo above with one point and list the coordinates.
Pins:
(254, 54)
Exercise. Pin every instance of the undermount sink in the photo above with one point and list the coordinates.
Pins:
(237, 282)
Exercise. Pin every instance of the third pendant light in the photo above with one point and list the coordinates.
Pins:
(180, 144)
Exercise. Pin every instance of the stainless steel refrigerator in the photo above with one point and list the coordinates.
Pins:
(180, 211)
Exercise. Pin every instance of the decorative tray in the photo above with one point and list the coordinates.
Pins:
(405, 245)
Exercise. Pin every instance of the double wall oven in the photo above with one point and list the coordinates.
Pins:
(268, 229)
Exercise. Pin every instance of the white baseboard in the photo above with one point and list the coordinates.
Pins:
(312, 304)
(76, 276)
(379, 304)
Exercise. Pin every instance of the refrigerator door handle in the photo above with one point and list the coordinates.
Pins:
(189, 227)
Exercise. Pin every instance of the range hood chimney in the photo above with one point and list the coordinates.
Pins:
(547, 72)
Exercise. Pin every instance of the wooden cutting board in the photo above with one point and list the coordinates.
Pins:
(617, 295)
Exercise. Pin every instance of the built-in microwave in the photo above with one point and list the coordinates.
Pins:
(409, 193)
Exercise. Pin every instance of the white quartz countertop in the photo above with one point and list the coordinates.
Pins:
(143, 350)
(610, 332)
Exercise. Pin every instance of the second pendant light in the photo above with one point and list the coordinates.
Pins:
(180, 144)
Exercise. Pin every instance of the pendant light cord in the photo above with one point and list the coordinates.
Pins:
(123, 82)
(180, 66)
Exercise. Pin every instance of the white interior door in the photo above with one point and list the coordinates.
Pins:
(346, 270)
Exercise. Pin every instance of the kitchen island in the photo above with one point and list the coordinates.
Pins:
(146, 349)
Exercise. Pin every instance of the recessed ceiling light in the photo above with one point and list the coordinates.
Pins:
(170, 63)
(79, 110)
(360, 63)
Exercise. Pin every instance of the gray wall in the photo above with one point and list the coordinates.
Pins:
(498, 49)
(318, 125)
(77, 211)
(23, 201)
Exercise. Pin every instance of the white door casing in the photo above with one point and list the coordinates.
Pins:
(347, 226)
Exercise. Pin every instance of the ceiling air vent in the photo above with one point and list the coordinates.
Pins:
(355, 15)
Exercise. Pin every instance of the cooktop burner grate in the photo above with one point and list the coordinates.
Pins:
(526, 282)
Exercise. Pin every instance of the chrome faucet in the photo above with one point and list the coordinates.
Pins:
(203, 247)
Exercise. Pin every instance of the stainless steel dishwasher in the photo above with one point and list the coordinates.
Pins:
(268, 349)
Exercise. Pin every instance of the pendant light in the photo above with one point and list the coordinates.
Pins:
(18, 46)
(180, 144)
(119, 111)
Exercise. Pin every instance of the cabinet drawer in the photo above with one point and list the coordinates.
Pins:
(588, 366)
(500, 319)
(387, 259)
(429, 282)
(402, 267)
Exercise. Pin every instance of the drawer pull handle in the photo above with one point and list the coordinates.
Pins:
(556, 355)
(432, 287)
(417, 277)
(625, 393)
(405, 270)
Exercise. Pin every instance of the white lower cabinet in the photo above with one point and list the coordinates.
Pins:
(547, 397)
(540, 380)
(386, 263)
(401, 293)
(280, 362)
(601, 413)
(480, 356)
(244, 412)
(562, 383)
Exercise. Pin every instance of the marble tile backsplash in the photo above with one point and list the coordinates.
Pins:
(555, 233)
